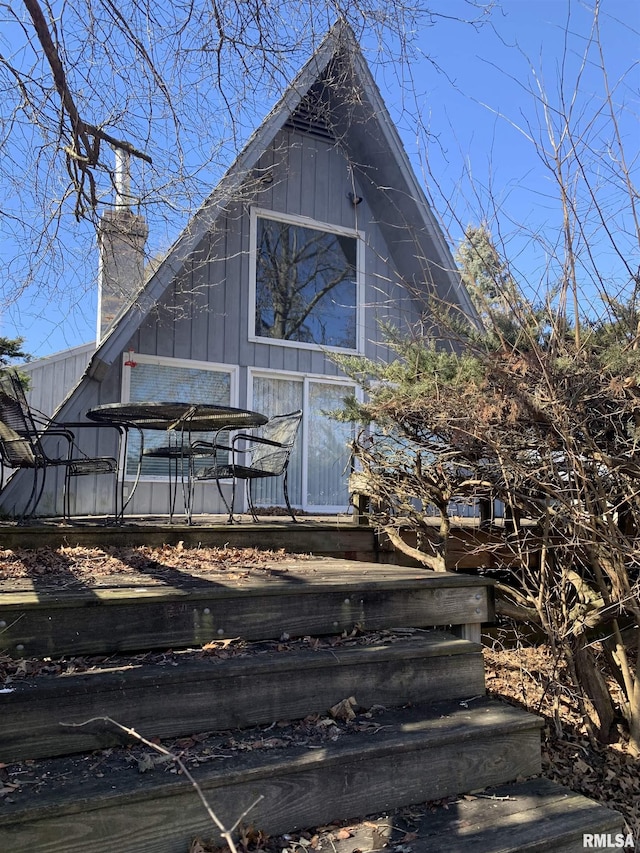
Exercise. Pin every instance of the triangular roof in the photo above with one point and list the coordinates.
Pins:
(367, 132)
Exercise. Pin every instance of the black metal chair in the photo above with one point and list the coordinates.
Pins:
(23, 435)
(268, 454)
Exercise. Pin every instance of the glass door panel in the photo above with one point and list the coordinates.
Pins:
(319, 467)
(277, 396)
(328, 452)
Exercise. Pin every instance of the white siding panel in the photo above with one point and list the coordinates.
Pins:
(54, 377)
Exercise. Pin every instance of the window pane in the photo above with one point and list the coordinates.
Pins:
(328, 451)
(167, 383)
(305, 285)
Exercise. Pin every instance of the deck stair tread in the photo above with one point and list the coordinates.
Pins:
(318, 573)
(390, 669)
(316, 597)
(314, 779)
(417, 724)
(532, 816)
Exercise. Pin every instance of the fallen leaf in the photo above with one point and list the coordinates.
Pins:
(344, 710)
(146, 762)
(410, 836)
(378, 840)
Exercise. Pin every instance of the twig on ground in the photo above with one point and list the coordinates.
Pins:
(224, 832)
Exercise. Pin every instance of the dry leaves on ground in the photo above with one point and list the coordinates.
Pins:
(65, 566)
(533, 679)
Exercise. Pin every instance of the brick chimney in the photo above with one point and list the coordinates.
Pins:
(121, 239)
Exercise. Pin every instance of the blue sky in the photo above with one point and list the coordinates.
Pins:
(483, 114)
(474, 156)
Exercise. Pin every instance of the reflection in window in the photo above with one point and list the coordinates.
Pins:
(306, 287)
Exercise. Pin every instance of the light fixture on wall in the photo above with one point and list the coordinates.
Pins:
(354, 199)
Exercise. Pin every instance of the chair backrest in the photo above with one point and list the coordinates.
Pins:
(283, 430)
(19, 442)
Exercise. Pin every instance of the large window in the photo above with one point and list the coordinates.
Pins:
(305, 281)
(155, 379)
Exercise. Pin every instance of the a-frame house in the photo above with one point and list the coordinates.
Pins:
(325, 176)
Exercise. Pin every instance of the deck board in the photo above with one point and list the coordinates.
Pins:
(428, 753)
(395, 670)
(314, 597)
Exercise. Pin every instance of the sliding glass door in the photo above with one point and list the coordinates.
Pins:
(319, 467)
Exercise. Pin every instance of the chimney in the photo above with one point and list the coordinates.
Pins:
(121, 238)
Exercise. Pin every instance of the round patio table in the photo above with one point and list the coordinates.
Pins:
(178, 418)
(188, 417)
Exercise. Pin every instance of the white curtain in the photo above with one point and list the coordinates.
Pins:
(276, 396)
(164, 383)
(327, 441)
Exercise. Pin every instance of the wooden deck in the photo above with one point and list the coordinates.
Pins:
(321, 535)
(292, 680)
(469, 548)
(175, 609)
(260, 723)
(299, 786)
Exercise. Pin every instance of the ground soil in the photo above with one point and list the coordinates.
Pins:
(525, 675)
(531, 678)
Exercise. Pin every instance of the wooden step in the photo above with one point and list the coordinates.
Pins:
(193, 692)
(314, 597)
(411, 755)
(535, 816)
(330, 536)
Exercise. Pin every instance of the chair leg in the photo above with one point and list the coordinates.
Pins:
(186, 491)
(36, 494)
(225, 501)
(191, 486)
(252, 508)
(66, 498)
(173, 486)
(116, 511)
(285, 488)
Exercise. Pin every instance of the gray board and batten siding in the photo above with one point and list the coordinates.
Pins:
(205, 314)
(195, 308)
(53, 377)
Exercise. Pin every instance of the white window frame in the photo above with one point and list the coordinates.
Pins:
(304, 379)
(307, 222)
(161, 360)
